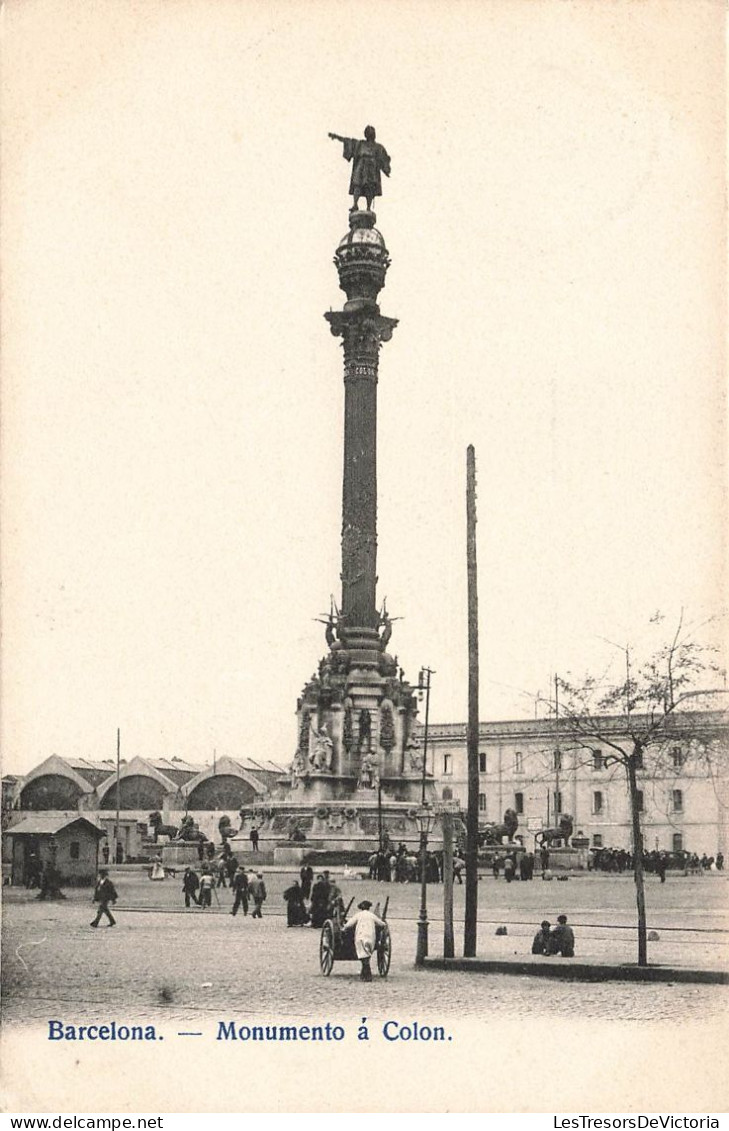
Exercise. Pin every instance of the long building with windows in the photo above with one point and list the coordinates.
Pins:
(537, 769)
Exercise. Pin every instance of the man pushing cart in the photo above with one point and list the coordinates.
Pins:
(370, 935)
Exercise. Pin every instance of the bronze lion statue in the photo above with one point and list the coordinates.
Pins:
(494, 834)
(558, 836)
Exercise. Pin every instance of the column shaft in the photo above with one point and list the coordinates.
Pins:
(359, 488)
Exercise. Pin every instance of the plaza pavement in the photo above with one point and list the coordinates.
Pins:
(162, 958)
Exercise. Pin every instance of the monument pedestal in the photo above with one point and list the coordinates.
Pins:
(567, 859)
(179, 854)
(490, 852)
(289, 854)
(349, 827)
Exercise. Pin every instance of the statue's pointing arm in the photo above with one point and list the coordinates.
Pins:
(349, 144)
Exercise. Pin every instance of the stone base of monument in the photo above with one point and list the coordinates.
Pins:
(249, 859)
(490, 852)
(179, 854)
(567, 859)
(347, 828)
(289, 854)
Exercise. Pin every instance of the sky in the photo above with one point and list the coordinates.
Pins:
(172, 397)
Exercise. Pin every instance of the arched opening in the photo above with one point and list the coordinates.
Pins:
(135, 792)
(50, 791)
(222, 791)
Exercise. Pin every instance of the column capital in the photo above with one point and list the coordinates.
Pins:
(362, 329)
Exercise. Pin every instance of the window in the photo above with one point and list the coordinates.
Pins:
(74, 849)
(482, 763)
(558, 759)
(597, 840)
(639, 799)
(677, 800)
(678, 842)
(482, 802)
(597, 801)
(447, 763)
(597, 762)
(518, 762)
(557, 801)
(677, 755)
(519, 802)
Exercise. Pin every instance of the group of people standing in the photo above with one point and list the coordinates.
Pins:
(400, 865)
(307, 900)
(43, 875)
(655, 862)
(247, 887)
(324, 894)
(524, 870)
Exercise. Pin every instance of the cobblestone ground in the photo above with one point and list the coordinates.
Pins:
(162, 959)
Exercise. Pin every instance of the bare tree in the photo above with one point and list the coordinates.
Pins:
(653, 699)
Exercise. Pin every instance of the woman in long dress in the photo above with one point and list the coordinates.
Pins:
(319, 902)
(157, 872)
(296, 913)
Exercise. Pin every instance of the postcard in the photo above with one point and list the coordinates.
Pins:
(363, 571)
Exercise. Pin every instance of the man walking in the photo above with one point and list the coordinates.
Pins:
(253, 836)
(258, 892)
(231, 865)
(240, 887)
(206, 887)
(104, 894)
(190, 884)
(307, 878)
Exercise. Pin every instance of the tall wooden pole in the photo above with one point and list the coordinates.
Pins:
(470, 928)
(118, 791)
(557, 755)
(448, 942)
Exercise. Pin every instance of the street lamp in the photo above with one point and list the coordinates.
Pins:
(424, 687)
(425, 816)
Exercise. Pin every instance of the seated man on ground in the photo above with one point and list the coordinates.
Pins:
(562, 939)
(541, 939)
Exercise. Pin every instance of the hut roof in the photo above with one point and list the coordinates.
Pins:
(50, 824)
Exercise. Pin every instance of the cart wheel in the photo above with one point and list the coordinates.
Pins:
(326, 949)
(384, 952)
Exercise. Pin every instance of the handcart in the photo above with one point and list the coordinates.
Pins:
(337, 945)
